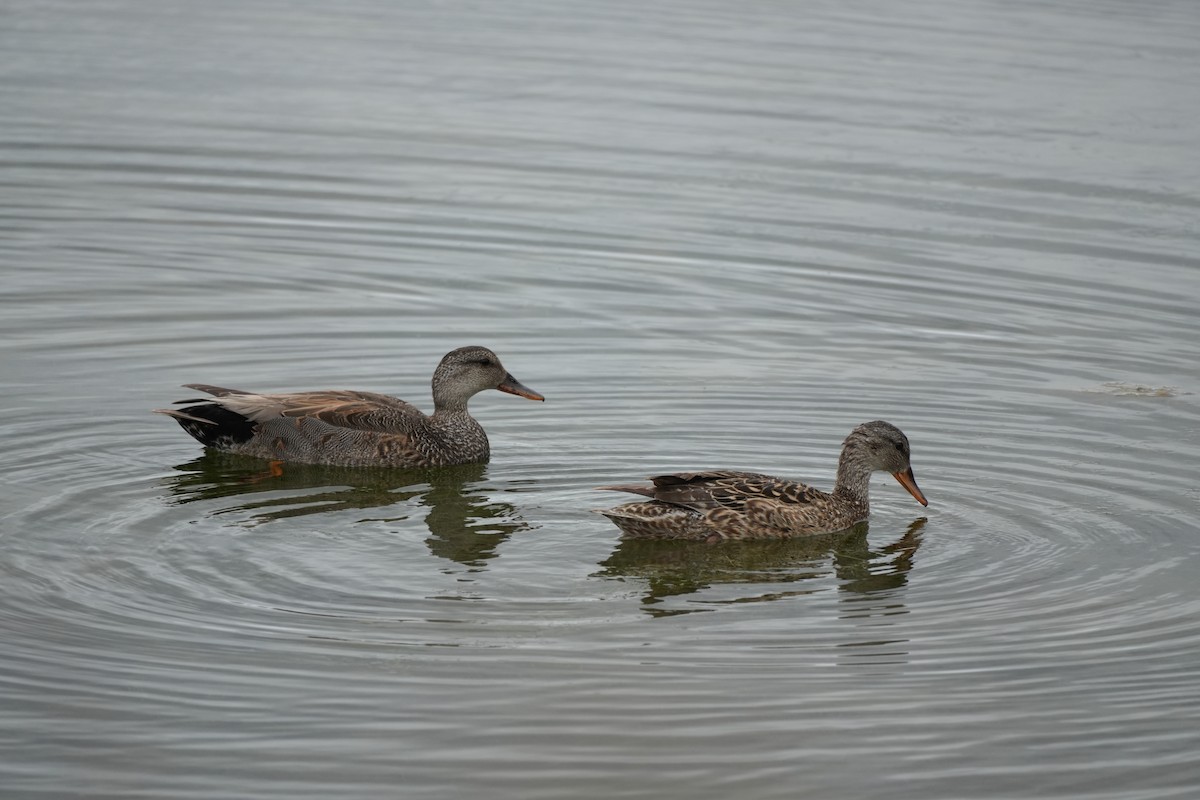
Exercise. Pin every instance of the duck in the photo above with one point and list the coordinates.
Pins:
(350, 428)
(722, 505)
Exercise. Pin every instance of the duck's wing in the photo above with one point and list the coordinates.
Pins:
(720, 504)
(734, 491)
(340, 408)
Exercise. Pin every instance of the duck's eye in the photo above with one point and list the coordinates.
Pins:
(485, 362)
(900, 447)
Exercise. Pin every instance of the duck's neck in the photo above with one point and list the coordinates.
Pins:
(853, 476)
(451, 412)
(445, 407)
(458, 433)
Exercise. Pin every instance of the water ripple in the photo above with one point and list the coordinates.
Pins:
(713, 237)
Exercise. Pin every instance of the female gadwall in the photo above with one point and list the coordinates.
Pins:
(715, 506)
(348, 428)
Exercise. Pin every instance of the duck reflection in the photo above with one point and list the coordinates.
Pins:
(465, 526)
(674, 567)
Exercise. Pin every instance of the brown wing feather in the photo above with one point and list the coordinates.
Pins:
(730, 490)
(349, 409)
(216, 391)
(362, 411)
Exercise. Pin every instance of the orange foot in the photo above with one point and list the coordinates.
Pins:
(274, 470)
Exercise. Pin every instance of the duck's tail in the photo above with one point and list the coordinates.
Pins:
(208, 422)
(632, 488)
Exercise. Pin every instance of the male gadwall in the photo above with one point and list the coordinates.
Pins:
(348, 428)
(720, 505)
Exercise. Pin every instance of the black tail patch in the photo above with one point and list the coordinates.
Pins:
(227, 428)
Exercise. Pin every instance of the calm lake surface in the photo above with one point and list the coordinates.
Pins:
(714, 235)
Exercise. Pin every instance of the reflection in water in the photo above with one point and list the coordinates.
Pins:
(466, 527)
(676, 567)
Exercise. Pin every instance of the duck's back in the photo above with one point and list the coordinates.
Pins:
(342, 408)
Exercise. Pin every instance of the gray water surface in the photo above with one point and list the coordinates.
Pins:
(713, 235)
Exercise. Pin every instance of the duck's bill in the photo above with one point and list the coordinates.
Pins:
(514, 386)
(907, 480)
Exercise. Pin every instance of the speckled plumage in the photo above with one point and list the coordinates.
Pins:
(723, 504)
(349, 428)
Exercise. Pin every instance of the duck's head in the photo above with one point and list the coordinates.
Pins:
(467, 371)
(883, 446)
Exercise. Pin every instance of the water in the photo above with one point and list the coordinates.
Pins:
(713, 235)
